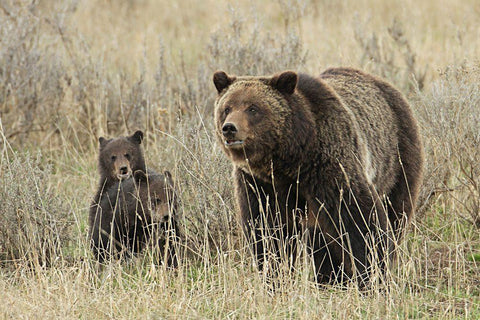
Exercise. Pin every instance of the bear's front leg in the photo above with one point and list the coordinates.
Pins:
(104, 236)
(252, 201)
(168, 243)
(268, 222)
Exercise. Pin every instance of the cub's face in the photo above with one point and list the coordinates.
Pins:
(157, 196)
(120, 157)
(249, 114)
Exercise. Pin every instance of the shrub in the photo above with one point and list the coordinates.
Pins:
(34, 220)
(450, 121)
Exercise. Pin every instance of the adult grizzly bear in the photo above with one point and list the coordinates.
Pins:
(337, 157)
(134, 213)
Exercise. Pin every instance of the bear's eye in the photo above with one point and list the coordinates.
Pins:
(253, 109)
(114, 158)
(227, 110)
(127, 156)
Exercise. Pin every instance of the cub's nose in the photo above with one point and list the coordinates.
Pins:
(124, 170)
(229, 129)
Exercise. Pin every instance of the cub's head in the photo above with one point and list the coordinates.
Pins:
(120, 157)
(157, 195)
(250, 113)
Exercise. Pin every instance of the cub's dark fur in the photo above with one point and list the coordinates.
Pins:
(134, 213)
(118, 159)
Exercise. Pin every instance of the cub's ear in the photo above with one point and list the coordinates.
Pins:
(137, 137)
(222, 80)
(139, 175)
(168, 177)
(103, 142)
(285, 82)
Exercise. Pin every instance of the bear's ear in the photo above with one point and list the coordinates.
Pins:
(139, 175)
(285, 82)
(137, 137)
(103, 142)
(222, 80)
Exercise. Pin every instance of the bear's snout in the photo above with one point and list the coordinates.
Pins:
(231, 135)
(229, 130)
(160, 213)
(123, 170)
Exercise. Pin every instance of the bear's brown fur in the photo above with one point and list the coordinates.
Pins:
(338, 157)
(133, 213)
(118, 158)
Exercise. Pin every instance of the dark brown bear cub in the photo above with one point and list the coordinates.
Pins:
(118, 158)
(134, 213)
(335, 158)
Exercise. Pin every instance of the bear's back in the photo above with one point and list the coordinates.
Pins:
(376, 123)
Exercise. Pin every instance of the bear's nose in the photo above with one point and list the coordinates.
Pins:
(124, 170)
(229, 129)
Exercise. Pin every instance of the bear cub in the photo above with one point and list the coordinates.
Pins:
(118, 158)
(135, 213)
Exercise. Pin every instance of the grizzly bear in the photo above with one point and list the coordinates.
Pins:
(117, 160)
(336, 159)
(134, 213)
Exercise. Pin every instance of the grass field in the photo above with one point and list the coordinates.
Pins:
(73, 71)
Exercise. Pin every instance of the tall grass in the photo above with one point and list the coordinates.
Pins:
(73, 71)
(34, 224)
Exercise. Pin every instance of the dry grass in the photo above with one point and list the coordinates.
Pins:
(73, 71)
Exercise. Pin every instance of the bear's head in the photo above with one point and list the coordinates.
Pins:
(251, 113)
(120, 157)
(156, 197)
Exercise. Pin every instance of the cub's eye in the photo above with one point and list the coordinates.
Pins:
(253, 109)
(155, 202)
(114, 158)
(127, 156)
(227, 110)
